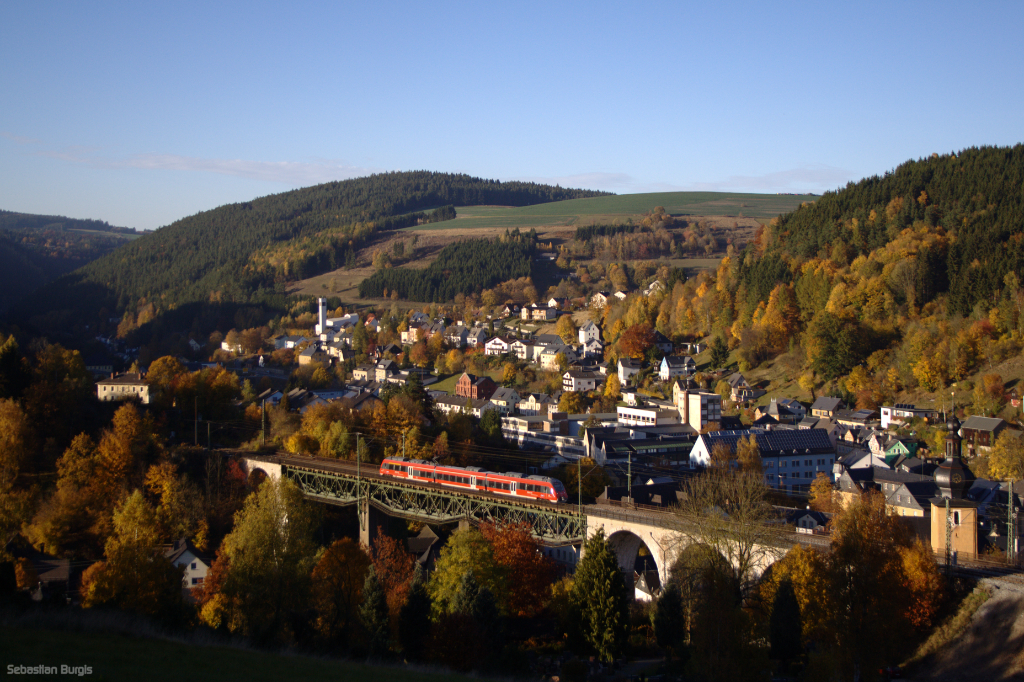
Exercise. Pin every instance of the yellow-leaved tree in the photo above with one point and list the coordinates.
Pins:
(134, 575)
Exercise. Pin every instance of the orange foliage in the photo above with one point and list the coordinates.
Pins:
(923, 585)
(394, 567)
(530, 573)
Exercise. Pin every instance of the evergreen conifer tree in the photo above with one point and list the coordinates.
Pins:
(600, 599)
(785, 624)
(414, 618)
(374, 615)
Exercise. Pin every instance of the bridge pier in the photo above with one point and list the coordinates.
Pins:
(370, 518)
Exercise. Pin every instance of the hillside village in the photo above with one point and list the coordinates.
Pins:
(647, 421)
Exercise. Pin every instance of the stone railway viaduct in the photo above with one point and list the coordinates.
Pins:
(662, 533)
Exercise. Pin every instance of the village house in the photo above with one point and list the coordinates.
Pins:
(783, 411)
(289, 341)
(128, 385)
(662, 342)
(474, 407)
(534, 404)
(476, 337)
(628, 368)
(979, 433)
(653, 415)
(901, 413)
(523, 350)
(589, 332)
(498, 345)
(741, 390)
(195, 565)
(654, 287)
(505, 400)
(673, 366)
(592, 349)
(600, 299)
(826, 407)
(456, 336)
(578, 380)
(548, 358)
(313, 354)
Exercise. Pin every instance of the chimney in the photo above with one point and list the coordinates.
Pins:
(321, 315)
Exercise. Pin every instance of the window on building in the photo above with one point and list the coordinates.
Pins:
(193, 565)
(956, 518)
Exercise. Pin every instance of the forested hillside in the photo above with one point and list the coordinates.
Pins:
(461, 268)
(35, 249)
(895, 285)
(972, 203)
(244, 252)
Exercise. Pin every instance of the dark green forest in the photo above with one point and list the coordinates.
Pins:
(245, 252)
(463, 267)
(976, 196)
(35, 249)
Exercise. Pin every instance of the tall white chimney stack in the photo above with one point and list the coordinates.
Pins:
(321, 325)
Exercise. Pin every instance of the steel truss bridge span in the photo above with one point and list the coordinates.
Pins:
(345, 483)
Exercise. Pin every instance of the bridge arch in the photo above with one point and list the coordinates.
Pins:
(258, 470)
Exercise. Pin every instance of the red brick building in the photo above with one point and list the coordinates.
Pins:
(472, 386)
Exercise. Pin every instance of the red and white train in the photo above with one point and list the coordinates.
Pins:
(475, 478)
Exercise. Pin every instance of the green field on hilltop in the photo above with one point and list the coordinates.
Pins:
(614, 209)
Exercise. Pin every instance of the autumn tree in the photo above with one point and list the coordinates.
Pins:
(822, 494)
(179, 503)
(612, 386)
(728, 514)
(393, 567)
(529, 572)
(269, 557)
(566, 328)
(15, 448)
(748, 455)
(593, 476)
(467, 551)
(134, 576)
(337, 589)
(866, 582)
(924, 588)
(1006, 458)
(600, 599)
(637, 340)
(572, 402)
(15, 374)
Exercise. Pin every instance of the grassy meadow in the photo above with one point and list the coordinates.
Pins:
(121, 657)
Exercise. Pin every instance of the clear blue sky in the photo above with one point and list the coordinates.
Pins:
(142, 113)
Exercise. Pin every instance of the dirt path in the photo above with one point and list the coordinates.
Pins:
(992, 649)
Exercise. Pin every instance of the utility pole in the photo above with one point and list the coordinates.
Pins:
(207, 435)
(197, 421)
(579, 483)
(1011, 529)
(629, 476)
(949, 541)
(403, 444)
(264, 428)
